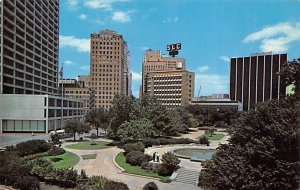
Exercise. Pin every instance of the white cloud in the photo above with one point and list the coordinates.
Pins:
(81, 45)
(170, 20)
(85, 68)
(211, 84)
(68, 62)
(121, 16)
(203, 68)
(136, 76)
(102, 4)
(225, 58)
(72, 4)
(82, 16)
(276, 38)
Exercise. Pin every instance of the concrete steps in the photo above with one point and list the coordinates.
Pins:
(187, 176)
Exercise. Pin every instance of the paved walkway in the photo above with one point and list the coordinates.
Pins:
(103, 165)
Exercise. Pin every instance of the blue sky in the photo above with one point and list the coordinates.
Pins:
(211, 31)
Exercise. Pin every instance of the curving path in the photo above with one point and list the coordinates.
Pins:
(104, 165)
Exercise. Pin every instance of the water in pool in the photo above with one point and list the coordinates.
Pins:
(195, 154)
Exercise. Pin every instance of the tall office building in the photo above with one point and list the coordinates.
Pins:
(167, 80)
(29, 46)
(109, 65)
(29, 68)
(255, 79)
(153, 61)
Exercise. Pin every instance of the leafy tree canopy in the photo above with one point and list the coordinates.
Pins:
(263, 151)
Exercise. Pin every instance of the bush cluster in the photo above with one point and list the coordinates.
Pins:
(98, 183)
(204, 140)
(136, 158)
(32, 147)
(150, 186)
(165, 141)
(15, 172)
(62, 177)
(134, 147)
(54, 151)
(170, 163)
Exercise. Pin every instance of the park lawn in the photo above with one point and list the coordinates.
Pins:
(89, 156)
(86, 145)
(69, 160)
(214, 137)
(137, 170)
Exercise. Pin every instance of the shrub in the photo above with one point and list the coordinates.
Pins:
(134, 147)
(169, 163)
(162, 170)
(27, 183)
(35, 156)
(148, 142)
(184, 141)
(150, 186)
(32, 147)
(113, 185)
(10, 148)
(204, 140)
(54, 151)
(56, 159)
(145, 166)
(135, 158)
(163, 141)
(92, 183)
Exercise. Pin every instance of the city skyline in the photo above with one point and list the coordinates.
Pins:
(209, 37)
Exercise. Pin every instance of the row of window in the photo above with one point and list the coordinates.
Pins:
(106, 43)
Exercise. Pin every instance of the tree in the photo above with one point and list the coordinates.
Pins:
(120, 112)
(99, 118)
(55, 140)
(186, 119)
(262, 152)
(136, 130)
(290, 74)
(75, 126)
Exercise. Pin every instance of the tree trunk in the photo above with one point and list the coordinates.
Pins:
(97, 131)
(74, 136)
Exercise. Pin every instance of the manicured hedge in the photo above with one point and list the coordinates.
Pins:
(136, 158)
(32, 147)
(54, 151)
(134, 147)
(165, 141)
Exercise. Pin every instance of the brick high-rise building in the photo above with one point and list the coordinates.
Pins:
(109, 65)
(29, 46)
(255, 79)
(166, 79)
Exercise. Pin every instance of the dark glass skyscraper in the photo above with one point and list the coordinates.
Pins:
(255, 79)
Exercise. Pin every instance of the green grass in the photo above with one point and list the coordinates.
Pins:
(214, 137)
(86, 145)
(69, 160)
(89, 156)
(137, 170)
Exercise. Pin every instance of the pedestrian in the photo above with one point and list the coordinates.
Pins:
(153, 156)
(157, 157)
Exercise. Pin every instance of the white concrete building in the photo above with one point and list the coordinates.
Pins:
(36, 113)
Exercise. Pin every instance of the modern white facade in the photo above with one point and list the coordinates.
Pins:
(217, 102)
(36, 113)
